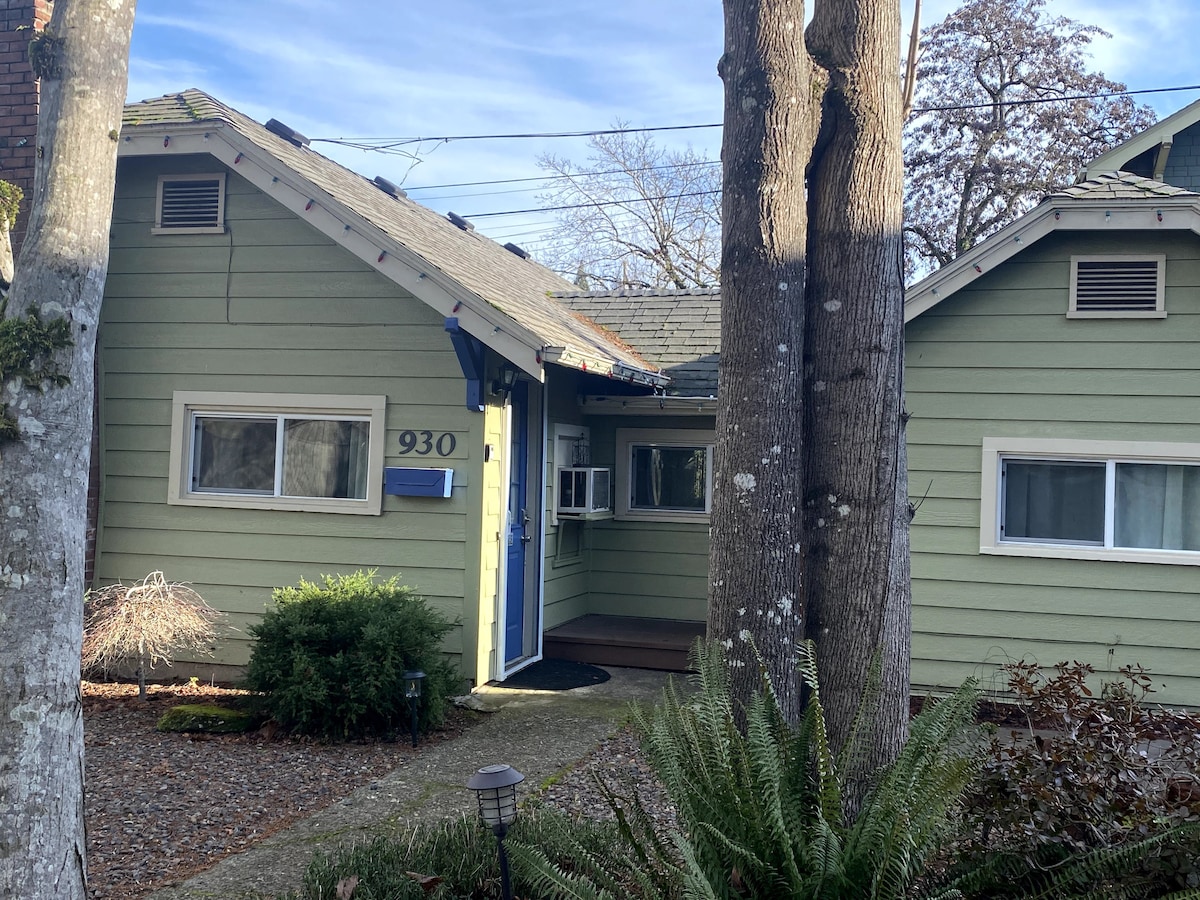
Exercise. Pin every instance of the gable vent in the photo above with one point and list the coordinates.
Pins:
(1116, 286)
(191, 203)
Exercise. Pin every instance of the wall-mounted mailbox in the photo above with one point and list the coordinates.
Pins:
(404, 481)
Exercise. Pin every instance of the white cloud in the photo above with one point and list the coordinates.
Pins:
(384, 69)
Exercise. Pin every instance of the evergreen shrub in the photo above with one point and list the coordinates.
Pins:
(330, 657)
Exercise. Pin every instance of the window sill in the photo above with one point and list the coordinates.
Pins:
(655, 516)
(201, 229)
(1117, 314)
(595, 515)
(226, 501)
(1107, 554)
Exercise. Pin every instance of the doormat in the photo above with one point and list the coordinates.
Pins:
(554, 675)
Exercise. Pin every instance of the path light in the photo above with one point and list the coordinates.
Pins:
(496, 788)
(412, 690)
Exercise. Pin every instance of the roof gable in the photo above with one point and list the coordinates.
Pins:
(499, 297)
(1109, 202)
(1154, 144)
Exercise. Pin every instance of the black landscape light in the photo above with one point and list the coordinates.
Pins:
(412, 690)
(496, 789)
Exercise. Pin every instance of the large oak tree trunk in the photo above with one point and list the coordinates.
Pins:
(818, 436)
(856, 480)
(756, 558)
(83, 62)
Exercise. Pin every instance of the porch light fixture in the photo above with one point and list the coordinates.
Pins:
(503, 385)
(412, 690)
(495, 787)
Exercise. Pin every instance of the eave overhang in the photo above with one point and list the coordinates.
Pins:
(658, 405)
(594, 365)
(1160, 135)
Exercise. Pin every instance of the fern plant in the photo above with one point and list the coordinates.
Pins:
(762, 810)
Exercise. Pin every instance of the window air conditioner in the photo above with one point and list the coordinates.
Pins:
(583, 490)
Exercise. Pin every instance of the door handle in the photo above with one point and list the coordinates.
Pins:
(526, 538)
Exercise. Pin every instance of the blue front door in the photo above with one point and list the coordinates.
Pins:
(520, 520)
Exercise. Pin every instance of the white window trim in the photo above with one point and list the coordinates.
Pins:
(187, 403)
(1056, 449)
(219, 228)
(662, 437)
(1160, 310)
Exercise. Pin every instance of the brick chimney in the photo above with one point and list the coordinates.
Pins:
(19, 20)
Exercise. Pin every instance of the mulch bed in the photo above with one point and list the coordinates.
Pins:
(161, 807)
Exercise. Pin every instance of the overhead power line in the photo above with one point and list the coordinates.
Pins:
(391, 144)
(388, 143)
(545, 178)
(598, 203)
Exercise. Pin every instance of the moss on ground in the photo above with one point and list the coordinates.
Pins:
(207, 718)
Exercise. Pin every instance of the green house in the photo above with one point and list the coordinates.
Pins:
(303, 372)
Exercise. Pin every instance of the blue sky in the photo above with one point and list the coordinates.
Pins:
(381, 68)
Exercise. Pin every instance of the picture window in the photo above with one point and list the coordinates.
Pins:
(1092, 499)
(274, 451)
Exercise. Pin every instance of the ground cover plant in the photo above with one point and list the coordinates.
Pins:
(330, 657)
(453, 859)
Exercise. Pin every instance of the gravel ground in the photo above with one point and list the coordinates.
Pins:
(162, 807)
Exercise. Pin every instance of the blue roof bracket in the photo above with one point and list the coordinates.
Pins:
(470, 357)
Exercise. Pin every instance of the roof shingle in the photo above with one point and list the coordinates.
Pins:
(677, 330)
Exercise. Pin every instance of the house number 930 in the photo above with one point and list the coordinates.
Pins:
(423, 443)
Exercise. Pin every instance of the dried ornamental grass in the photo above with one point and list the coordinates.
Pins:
(150, 621)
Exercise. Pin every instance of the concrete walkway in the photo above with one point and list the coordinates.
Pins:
(540, 733)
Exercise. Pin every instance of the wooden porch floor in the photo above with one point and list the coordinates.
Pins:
(624, 641)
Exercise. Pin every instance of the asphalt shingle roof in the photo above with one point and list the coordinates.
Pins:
(520, 288)
(677, 330)
(1121, 186)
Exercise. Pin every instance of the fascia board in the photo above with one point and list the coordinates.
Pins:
(1164, 130)
(622, 405)
(347, 228)
(1067, 215)
(585, 362)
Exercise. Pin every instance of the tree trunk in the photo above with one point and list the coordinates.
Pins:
(810, 477)
(856, 488)
(756, 557)
(83, 63)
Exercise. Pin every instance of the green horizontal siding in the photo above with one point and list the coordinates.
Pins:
(269, 306)
(650, 569)
(1000, 359)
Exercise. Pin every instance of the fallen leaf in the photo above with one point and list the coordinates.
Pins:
(428, 883)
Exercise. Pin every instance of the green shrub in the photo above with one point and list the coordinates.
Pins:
(460, 852)
(330, 658)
